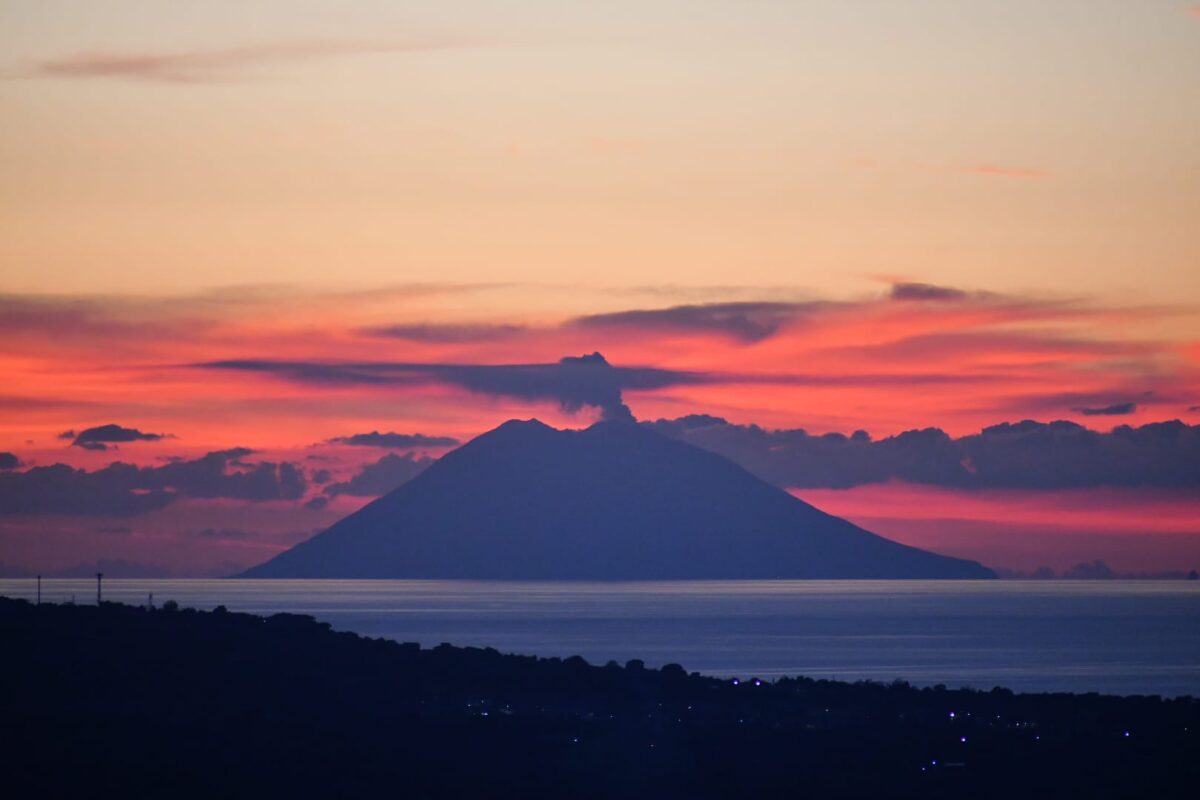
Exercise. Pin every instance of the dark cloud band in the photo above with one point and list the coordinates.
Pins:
(399, 441)
(125, 489)
(1023, 455)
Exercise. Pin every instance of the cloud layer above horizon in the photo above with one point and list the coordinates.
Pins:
(272, 412)
(915, 356)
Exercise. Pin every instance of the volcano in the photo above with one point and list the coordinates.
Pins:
(612, 502)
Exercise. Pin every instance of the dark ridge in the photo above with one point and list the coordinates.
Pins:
(120, 701)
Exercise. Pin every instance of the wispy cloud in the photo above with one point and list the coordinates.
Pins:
(400, 441)
(1114, 410)
(925, 291)
(748, 322)
(449, 333)
(217, 64)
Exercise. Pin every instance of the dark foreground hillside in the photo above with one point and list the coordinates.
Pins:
(120, 701)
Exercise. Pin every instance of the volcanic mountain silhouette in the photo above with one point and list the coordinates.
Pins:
(612, 502)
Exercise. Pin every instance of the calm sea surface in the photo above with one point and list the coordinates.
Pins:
(1125, 637)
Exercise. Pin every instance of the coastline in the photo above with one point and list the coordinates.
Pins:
(1113, 637)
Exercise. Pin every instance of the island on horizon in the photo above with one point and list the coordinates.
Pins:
(615, 501)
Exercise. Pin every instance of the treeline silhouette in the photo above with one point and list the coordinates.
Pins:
(121, 701)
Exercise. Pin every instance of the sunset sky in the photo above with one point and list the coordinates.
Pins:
(253, 229)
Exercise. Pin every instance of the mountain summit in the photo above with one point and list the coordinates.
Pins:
(613, 502)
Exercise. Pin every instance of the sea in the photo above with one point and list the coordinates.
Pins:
(1118, 637)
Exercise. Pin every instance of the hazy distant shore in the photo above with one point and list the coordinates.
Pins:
(1119, 637)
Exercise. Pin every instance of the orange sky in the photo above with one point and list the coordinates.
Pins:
(753, 193)
(1011, 146)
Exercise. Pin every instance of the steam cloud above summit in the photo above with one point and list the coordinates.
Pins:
(574, 382)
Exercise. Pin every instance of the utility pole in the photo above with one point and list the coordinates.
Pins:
(39, 600)
(99, 575)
